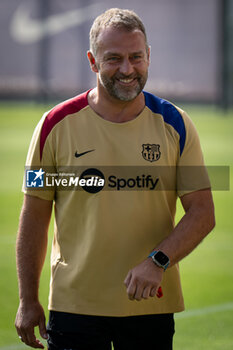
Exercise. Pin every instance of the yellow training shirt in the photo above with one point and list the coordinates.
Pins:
(100, 236)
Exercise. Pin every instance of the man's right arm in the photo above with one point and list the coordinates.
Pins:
(31, 249)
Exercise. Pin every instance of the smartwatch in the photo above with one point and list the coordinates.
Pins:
(160, 259)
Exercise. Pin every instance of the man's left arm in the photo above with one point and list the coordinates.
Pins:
(144, 280)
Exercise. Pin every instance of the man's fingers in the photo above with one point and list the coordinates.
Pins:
(29, 339)
(146, 293)
(22, 336)
(42, 328)
(153, 292)
(131, 290)
(22, 333)
(27, 336)
(33, 342)
(127, 279)
(139, 292)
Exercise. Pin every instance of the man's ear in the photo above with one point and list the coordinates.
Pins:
(148, 53)
(92, 61)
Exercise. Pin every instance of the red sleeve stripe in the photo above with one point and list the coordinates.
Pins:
(58, 113)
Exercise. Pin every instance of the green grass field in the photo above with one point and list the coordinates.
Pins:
(207, 274)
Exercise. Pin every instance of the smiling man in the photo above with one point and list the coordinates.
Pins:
(119, 55)
(126, 83)
(114, 252)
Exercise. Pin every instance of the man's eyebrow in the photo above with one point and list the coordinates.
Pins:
(107, 54)
(111, 53)
(138, 52)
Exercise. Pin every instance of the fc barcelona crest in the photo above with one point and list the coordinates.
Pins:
(151, 152)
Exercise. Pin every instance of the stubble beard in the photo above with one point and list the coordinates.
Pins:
(123, 93)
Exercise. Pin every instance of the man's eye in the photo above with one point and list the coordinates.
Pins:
(137, 57)
(113, 58)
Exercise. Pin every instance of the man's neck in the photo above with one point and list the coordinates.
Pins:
(115, 110)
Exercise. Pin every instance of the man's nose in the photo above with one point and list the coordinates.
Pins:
(126, 67)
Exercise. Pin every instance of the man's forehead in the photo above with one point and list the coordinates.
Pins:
(111, 37)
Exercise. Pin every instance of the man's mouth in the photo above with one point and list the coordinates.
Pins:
(126, 81)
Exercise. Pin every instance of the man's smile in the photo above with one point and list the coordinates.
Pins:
(127, 81)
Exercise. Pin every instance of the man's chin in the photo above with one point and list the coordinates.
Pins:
(125, 96)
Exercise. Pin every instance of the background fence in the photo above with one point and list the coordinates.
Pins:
(44, 44)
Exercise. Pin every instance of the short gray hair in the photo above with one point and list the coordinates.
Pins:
(117, 18)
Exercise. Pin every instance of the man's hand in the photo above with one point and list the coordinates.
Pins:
(143, 280)
(28, 317)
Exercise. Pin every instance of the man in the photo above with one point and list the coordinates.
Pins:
(112, 250)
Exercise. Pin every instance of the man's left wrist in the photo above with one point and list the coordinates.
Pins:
(160, 259)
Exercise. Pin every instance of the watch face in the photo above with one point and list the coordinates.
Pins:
(161, 258)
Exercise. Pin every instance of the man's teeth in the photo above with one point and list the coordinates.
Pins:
(126, 80)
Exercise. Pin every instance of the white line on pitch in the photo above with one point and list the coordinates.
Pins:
(14, 347)
(205, 311)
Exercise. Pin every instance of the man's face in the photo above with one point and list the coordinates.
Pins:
(122, 61)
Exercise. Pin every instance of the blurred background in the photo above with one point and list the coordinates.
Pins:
(43, 46)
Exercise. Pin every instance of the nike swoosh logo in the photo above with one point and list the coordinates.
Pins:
(77, 155)
(27, 30)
